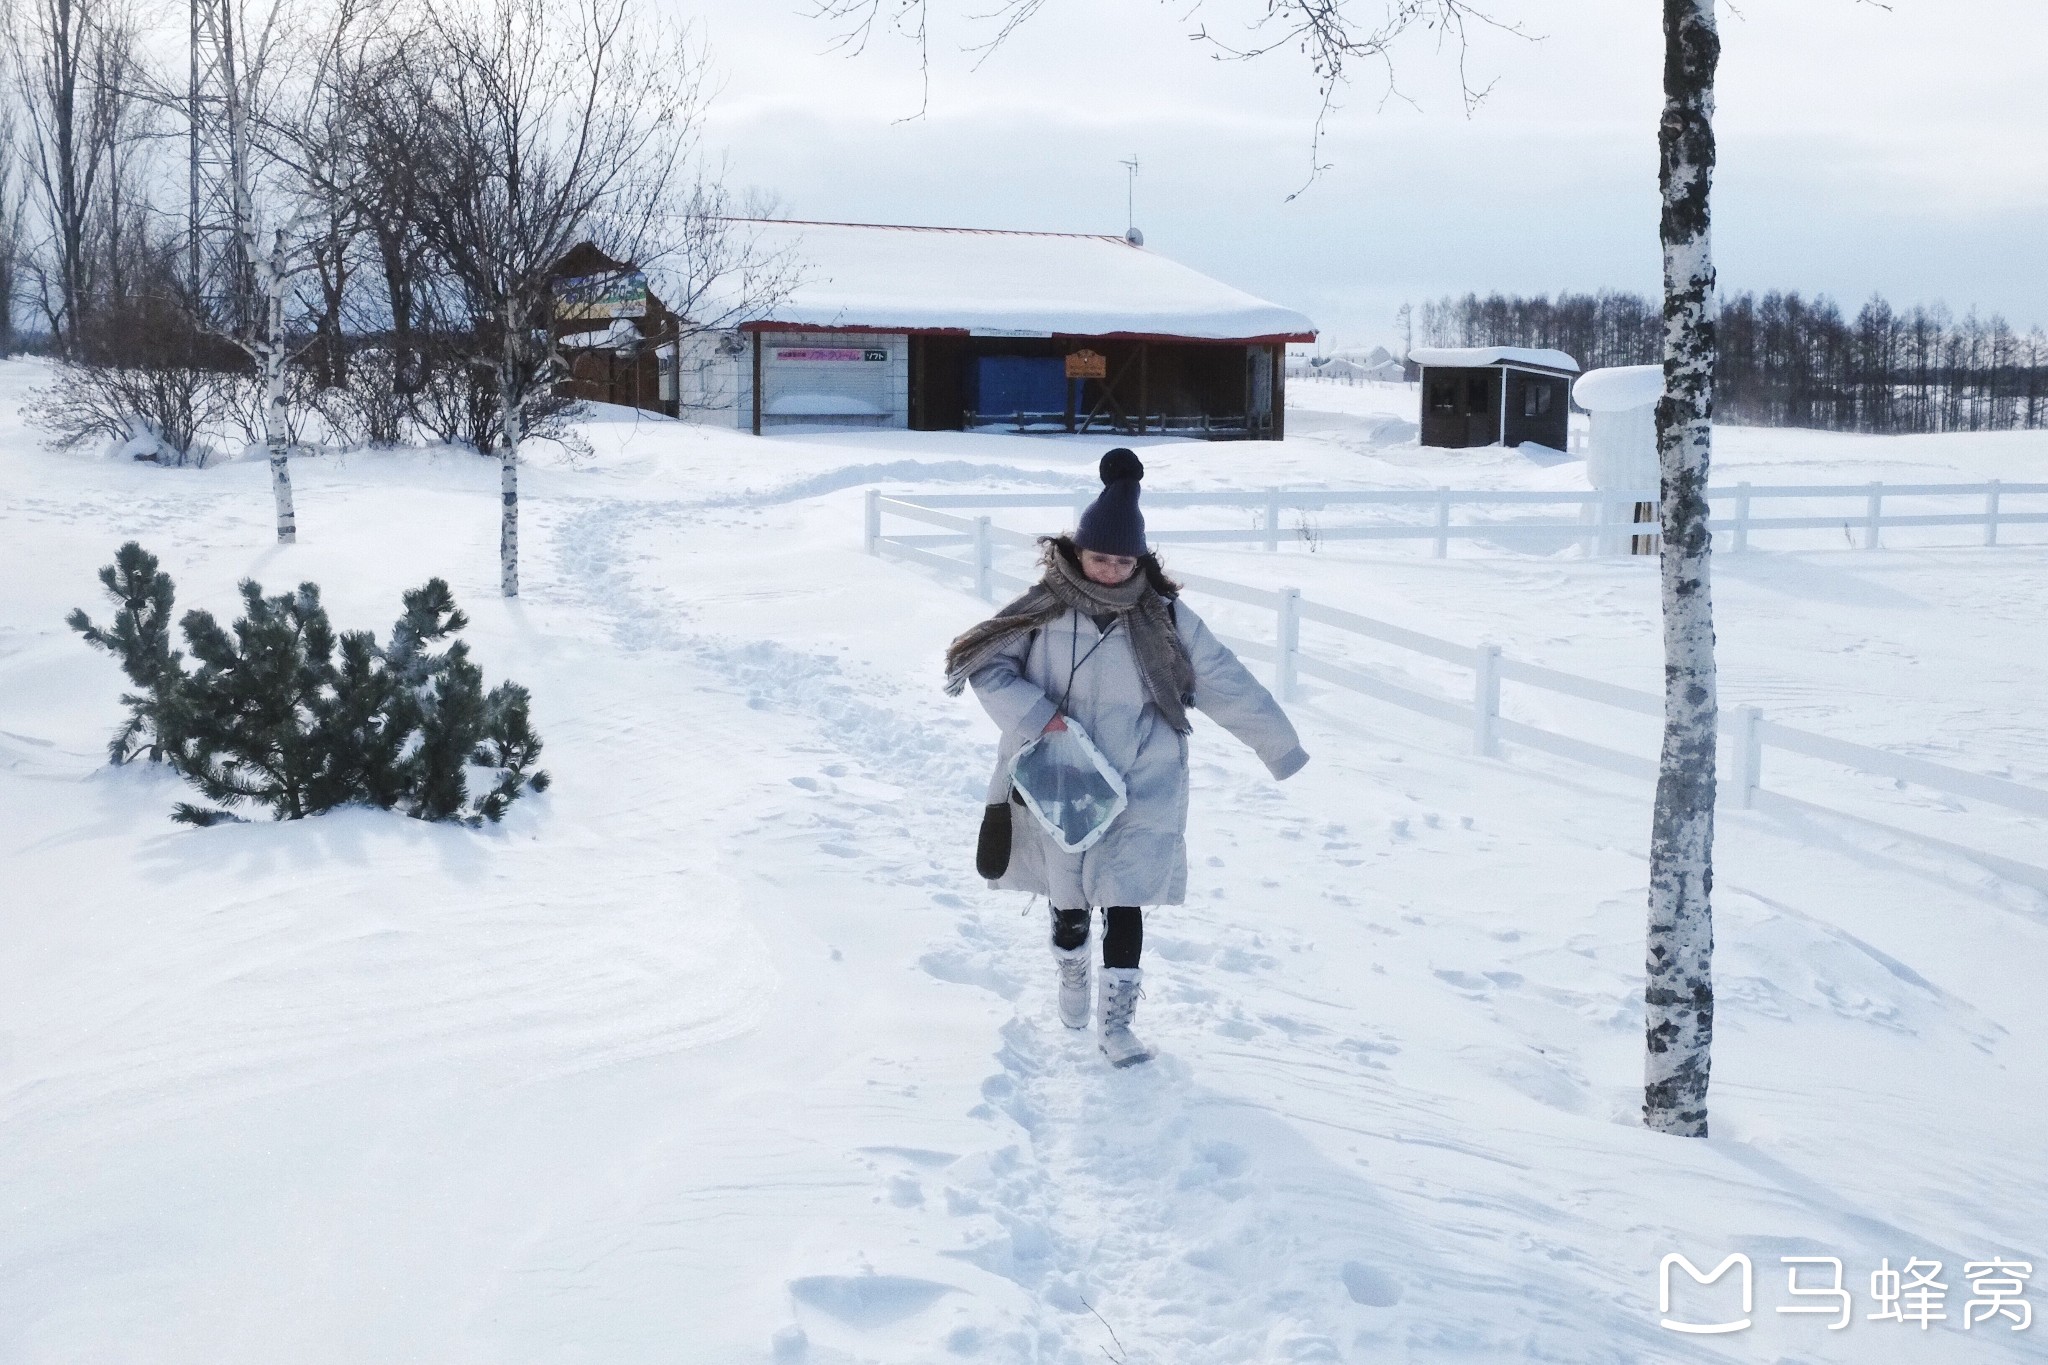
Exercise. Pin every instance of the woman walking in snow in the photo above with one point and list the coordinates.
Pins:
(1104, 639)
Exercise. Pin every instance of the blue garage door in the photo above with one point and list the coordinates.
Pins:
(1007, 384)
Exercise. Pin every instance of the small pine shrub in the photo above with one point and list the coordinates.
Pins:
(140, 637)
(279, 712)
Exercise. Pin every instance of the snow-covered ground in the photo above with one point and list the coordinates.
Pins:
(719, 1052)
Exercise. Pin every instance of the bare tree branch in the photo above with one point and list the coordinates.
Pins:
(1333, 36)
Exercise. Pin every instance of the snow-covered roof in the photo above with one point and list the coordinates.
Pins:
(1023, 283)
(1620, 389)
(1468, 357)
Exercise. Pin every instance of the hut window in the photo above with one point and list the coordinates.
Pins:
(1478, 394)
(1536, 399)
(1443, 395)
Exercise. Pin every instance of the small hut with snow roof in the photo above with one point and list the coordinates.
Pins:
(1495, 395)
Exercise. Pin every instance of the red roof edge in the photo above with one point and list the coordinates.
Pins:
(928, 227)
(1270, 339)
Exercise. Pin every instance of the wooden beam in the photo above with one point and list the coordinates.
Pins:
(1109, 394)
(1144, 383)
(1279, 388)
(757, 383)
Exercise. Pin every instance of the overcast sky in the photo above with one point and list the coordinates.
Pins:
(1902, 150)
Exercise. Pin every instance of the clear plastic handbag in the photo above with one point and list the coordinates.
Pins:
(1069, 787)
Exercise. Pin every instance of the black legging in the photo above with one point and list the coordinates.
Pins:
(1123, 937)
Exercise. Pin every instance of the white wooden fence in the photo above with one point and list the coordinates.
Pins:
(1602, 521)
(1745, 731)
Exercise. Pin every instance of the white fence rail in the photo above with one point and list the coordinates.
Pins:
(1744, 728)
(1602, 521)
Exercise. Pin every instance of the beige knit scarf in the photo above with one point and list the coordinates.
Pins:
(1163, 663)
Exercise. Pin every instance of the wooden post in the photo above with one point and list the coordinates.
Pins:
(1443, 522)
(917, 418)
(984, 562)
(1645, 515)
(1486, 701)
(1741, 518)
(1252, 355)
(1272, 518)
(1279, 388)
(1288, 644)
(874, 521)
(757, 383)
(1991, 515)
(1144, 385)
(1871, 519)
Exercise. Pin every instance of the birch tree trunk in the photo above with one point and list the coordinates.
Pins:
(509, 413)
(271, 354)
(1679, 990)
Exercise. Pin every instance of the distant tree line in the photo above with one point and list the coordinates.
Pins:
(1790, 361)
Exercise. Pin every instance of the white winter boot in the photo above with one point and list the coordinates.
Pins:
(1076, 984)
(1118, 1002)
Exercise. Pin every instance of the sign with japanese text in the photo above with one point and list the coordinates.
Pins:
(1087, 365)
(601, 296)
(831, 354)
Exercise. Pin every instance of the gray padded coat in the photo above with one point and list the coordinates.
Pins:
(1142, 860)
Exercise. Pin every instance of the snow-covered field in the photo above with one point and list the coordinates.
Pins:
(719, 1052)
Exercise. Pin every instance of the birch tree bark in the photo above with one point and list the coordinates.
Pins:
(272, 351)
(1678, 994)
(511, 411)
(249, 267)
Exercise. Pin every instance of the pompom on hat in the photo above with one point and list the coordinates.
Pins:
(1113, 525)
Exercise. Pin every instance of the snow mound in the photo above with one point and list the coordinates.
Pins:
(1622, 388)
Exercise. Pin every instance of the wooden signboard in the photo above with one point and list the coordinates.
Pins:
(1087, 365)
(621, 295)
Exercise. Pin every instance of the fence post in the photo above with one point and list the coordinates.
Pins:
(1597, 546)
(1485, 700)
(984, 561)
(1272, 518)
(1741, 518)
(1288, 643)
(874, 521)
(1991, 515)
(1443, 522)
(1749, 755)
(1876, 510)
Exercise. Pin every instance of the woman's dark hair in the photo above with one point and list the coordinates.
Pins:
(1148, 563)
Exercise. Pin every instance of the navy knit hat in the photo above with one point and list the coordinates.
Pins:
(1113, 525)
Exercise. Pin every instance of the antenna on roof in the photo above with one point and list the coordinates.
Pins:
(1131, 233)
